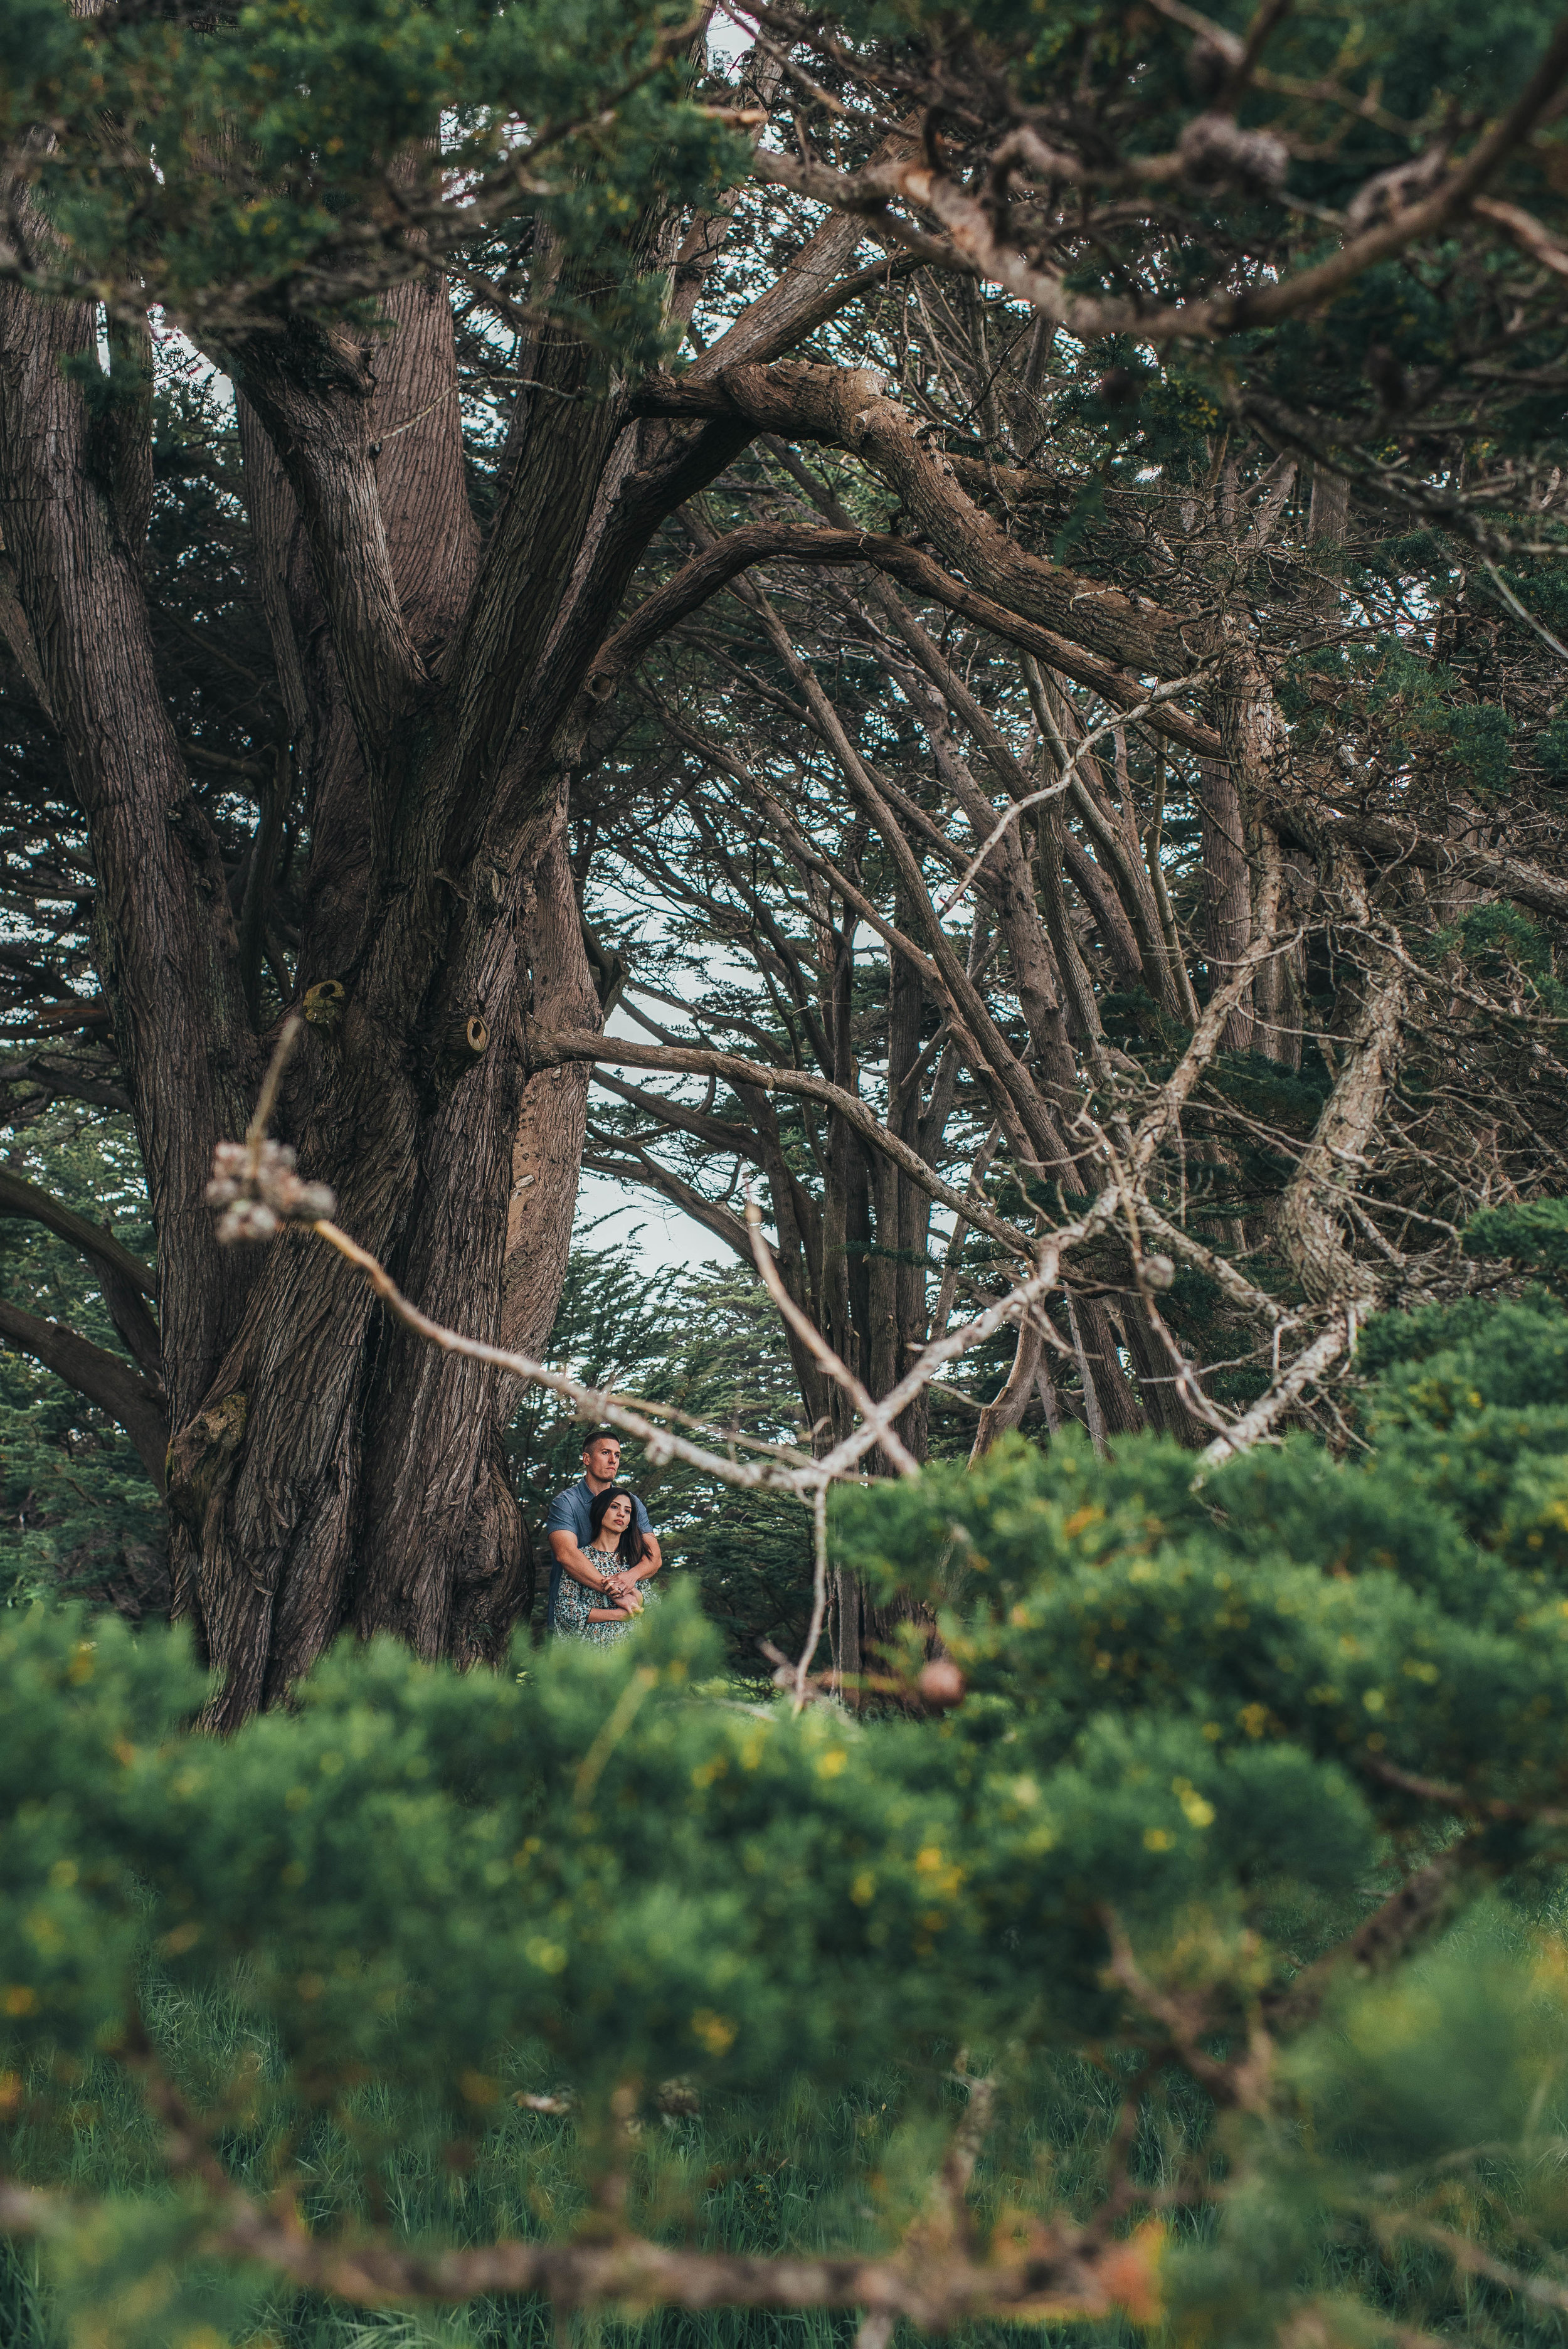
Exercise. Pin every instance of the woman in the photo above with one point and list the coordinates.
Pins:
(616, 1547)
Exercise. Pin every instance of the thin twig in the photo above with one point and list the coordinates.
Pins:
(588, 1402)
(1010, 815)
(815, 1345)
(1256, 1423)
(289, 1035)
(819, 1593)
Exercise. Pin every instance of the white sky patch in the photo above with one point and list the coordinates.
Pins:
(646, 1226)
(727, 42)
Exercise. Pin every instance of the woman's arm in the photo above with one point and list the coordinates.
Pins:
(589, 1571)
(609, 1614)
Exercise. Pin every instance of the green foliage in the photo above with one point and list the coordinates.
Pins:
(356, 1932)
(1505, 943)
(1534, 1233)
(1351, 93)
(1350, 1611)
(79, 1511)
(1426, 715)
(267, 150)
(78, 1508)
(1418, 55)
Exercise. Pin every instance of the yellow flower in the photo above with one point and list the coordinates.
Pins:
(1195, 1810)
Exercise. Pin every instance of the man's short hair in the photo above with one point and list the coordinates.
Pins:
(598, 1435)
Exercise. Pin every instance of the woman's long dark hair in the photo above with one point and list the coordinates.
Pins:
(629, 1548)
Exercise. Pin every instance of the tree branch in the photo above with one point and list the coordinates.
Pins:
(550, 1052)
(971, 220)
(1068, 2273)
(124, 1279)
(20, 1197)
(1412, 1911)
(102, 1378)
(821, 1353)
(757, 543)
(1514, 877)
(807, 291)
(850, 408)
(1329, 1274)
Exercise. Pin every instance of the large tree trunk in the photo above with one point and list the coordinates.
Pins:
(168, 957)
(327, 1470)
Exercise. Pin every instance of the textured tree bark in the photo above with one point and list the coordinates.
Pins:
(1328, 519)
(557, 991)
(897, 1304)
(286, 1522)
(1252, 729)
(1308, 1224)
(325, 1470)
(167, 954)
(1005, 1410)
(1227, 890)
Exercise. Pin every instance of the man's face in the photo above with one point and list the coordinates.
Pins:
(602, 1460)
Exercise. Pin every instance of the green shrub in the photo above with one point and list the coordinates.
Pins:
(1207, 1732)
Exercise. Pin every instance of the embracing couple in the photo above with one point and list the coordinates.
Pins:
(604, 1552)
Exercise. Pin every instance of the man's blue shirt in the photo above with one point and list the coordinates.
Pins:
(569, 1514)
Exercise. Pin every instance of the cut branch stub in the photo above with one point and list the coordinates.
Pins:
(324, 1005)
(460, 1042)
(201, 1459)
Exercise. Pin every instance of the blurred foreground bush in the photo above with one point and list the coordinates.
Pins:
(1233, 1878)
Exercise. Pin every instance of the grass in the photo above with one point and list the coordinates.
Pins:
(800, 2172)
(802, 2169)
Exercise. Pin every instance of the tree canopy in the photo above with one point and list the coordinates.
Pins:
(987, 588)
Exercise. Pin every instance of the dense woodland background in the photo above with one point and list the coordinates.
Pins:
(771, 807)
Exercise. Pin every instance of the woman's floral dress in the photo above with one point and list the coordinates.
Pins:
(574, 1600)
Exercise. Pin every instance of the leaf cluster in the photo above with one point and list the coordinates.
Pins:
(275, 158)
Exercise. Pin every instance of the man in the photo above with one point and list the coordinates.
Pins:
(568, 1528)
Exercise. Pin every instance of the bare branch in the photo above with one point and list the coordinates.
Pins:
(20, 1197)
(1067, 2271)
(1414, 1910)
(573, 1045)
(971, 219)
(740, 550)
(811, 1338)
(1067, 776)
(1210, 1028)
(137, 1404)
(588, 1402)
(1270, 1409)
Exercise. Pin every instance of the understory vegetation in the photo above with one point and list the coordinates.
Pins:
(1213, 1939)
(80, 1517)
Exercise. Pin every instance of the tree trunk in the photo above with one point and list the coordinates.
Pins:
(327, 1470)
(1227, 890)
